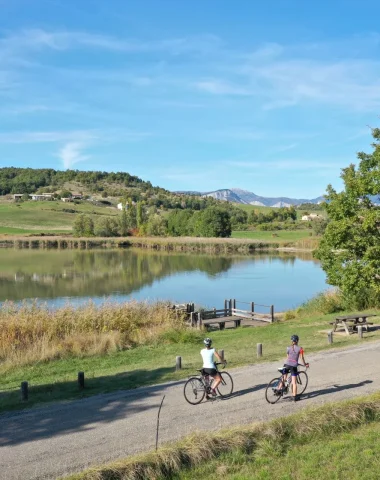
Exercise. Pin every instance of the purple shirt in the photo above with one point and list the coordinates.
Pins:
(293, 354)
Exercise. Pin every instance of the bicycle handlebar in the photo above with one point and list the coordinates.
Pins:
(220, 363)
(306, 366)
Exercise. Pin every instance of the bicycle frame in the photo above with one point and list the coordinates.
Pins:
(207, 379)
(286, 378)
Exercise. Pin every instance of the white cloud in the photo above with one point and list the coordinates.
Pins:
(71, 154)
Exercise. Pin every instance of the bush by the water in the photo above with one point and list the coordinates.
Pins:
(333, 301)
(32, 332)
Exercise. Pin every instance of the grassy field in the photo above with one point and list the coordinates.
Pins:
(258, 209)
(281, 236)
(154, 362)
(335, 441)
(49, 216)
(354, 455)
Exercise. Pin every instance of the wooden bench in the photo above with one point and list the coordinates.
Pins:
(221, 321)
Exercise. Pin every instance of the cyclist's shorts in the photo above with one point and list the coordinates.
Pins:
(290, 368)
(209, 371)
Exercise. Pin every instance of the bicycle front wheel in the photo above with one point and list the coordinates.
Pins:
(226, 386)
(302, 381)
(194, 390)
(271, 393)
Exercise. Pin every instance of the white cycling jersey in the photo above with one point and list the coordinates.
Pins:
(208, 357)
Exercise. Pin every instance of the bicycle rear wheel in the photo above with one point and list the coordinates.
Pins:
(302, 381)
(226, 386)
(194, 390)
(271, 394)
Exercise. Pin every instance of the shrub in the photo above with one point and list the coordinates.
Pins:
(289, 315)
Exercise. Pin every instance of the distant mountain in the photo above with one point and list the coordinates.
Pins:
(238, 195)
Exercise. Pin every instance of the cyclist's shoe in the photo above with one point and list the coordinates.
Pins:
(296, 398)
(278, 391)
(213, 392)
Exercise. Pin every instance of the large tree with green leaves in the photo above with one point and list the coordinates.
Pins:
(350, 248)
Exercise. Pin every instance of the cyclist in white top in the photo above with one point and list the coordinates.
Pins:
(209, 364)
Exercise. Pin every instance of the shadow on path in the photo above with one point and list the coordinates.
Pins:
(84, 413)
(246, 391)
(335, 388)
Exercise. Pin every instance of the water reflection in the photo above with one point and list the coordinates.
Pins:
(120, 274)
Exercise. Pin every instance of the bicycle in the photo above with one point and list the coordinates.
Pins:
(273, 394)
(197, 387)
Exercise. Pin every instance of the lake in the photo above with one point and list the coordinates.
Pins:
(59, 276)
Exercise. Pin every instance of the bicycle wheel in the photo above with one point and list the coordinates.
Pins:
(302, 381)
(226, 386)
(194, 390)
(270, 393)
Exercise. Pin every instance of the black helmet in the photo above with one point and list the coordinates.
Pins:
(207, 342)
(294, 338)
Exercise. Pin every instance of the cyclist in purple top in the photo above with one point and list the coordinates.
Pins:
(291, 364)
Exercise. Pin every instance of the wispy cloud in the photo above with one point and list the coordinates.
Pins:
(71, 154)
(72, 136)
(64, 40)
(289, 164)
(287, 76)
(221, 87)
(284, 148)
(47, 137)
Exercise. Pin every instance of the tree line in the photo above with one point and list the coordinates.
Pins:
(137, 219)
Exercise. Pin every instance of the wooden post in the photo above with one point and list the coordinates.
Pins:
(259, 350)
(221, 354)
(192, 319)
(230, 307)
(199, 320)
(225, 307)
(24, 391)
(252, 308)
(330, 336)
(214, 310)
(272, 313)
(81, 380)
(360, 331)
(234, 305)
(178, 363)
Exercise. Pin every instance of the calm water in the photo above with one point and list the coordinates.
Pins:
(57, 277)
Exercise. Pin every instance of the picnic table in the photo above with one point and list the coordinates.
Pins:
(351, 322)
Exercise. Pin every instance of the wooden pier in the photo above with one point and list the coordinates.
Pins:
(230, 314)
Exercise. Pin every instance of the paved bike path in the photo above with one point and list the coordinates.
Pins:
(52, 441)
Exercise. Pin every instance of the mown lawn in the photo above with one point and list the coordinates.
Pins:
(273, 236)
(56, 380)
(49, 216)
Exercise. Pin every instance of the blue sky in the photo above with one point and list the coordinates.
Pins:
(273, 97)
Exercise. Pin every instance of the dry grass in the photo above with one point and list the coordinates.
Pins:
(274, 437)
(30, 332)
(191, 244)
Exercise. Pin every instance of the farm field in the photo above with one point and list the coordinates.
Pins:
(273, 236)
(49, 216)
(249, 208)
